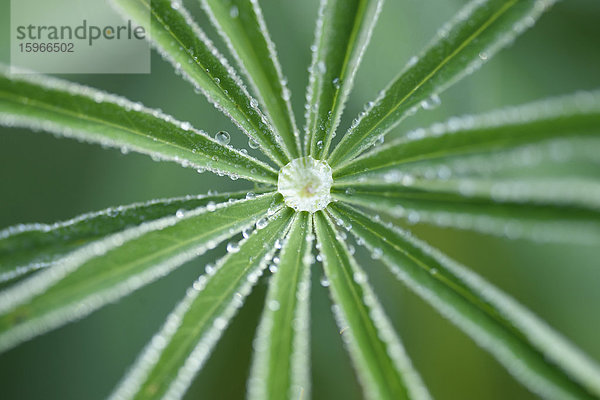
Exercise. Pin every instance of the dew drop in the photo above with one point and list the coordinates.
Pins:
(336, 83)
(305, 184)
(376, 254)
(412, 61)
(186, 126)
(253, 144)
(431, 103)
(220, 323)
(209, 269)
(234, 12)
(233, 247)
(261, 223)
(360, 277)
(324, 281)
(321, 67)
(351, 249)
(223, 137)
(273, 305)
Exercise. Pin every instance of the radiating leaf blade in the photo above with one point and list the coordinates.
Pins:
(554, 219)
(342, 35)
(106, 270)
(473, 36)
(170, 361)
(25, 248)
(575, 116)
(383, 367)
(182, 42)
(537, 356)
(554, 211)
(82, 113)
(280, 367)
(242, 27)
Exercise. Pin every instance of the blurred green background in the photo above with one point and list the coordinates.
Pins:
(44, 179)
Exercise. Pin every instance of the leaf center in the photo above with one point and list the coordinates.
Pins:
(305, 184)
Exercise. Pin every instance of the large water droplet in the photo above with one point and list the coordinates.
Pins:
(261, 223)
(305, 184)
(223, 137)
(253, 144)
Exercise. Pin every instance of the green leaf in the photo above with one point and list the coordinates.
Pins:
(79, 112)
(343, 32)
(567, 117)
(473, 36)
(26, 248)
(383, 367)
(170, 361)
(241, 25)
(577, 193)
(179, 40)
(280, 367)
(556, 213)
(113, 267)
(537, 356)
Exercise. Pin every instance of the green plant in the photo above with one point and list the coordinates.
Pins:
(465, 173)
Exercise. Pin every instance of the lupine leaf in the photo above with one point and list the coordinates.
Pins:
(280, 367)
(342, 35)
(473, 36)
(380, 360)
(573, 192)
(561, 218)
(177, 37)
(25, 248)
(242, 27)
(536, 355)
(567, 117)
(170, 361)
(88, 114)
(113, 267)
